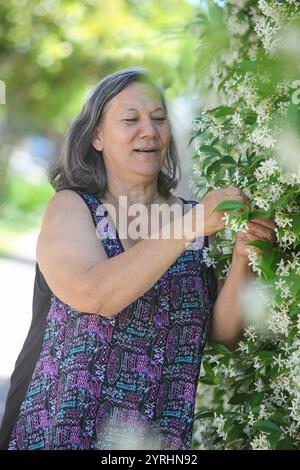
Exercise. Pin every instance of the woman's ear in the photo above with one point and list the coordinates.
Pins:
(97, 140)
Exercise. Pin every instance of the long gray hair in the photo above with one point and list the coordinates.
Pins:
(80, 165)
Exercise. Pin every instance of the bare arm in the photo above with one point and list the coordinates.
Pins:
(227, 323)
(77, 269)
(75, 265)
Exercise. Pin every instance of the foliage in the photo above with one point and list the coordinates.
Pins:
(53, 51)
(249, 398)
(26, 196)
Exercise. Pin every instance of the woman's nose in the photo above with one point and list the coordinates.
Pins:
(148, 128)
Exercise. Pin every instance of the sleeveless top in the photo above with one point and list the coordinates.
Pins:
(83, 381)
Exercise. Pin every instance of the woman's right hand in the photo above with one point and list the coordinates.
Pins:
(213, 220)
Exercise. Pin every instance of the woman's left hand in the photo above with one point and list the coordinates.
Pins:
(258, 229)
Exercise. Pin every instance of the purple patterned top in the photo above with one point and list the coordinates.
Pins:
(100, 380)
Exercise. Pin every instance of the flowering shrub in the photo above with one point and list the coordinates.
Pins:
(249, 398)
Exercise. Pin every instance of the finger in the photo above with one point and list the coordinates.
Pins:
(265, 222)
(232, 191)
(261, 232)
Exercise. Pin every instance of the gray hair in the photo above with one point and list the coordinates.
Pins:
(80, 165)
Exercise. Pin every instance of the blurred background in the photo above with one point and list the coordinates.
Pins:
(51, 53)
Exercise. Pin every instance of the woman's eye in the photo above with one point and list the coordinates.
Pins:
(159, 120)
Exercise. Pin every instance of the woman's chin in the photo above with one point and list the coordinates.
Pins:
(147, 167)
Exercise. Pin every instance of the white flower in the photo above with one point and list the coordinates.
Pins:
(247, 92)
(271, 10)
(278, 321)
(284, 289)
(281, 363)
(219, 422)
(283, 108)
(255, 258)
(199, 126)
(266, 31)
(282, 220)
(250, 332)
(262, 136)
(266, 169)
(196, 171)
(295, 409)
(237, 120)
(237, 27)
(263, 414)
(291, 179)
(259, 385)
(287, 239)
(261, 202)
(225, 271)
(257, 363)
(263, 110)
(243, 347)
(236, 176)
(216, 129)
(228, 372)
(260, 442)
(206, 257)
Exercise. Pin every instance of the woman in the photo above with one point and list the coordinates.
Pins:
(119, 327)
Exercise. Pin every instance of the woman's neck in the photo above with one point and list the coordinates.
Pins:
(146, 198)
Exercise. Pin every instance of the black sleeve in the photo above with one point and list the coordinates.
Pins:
(27, 358)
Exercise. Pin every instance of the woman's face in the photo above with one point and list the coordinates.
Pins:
(132, 121)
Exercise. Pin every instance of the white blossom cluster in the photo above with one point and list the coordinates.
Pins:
(252, 124)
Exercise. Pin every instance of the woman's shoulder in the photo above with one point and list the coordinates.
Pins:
(66, 211)
(64, 201)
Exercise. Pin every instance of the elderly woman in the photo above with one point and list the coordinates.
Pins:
(118, 330)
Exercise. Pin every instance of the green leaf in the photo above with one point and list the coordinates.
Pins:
(220, 348)
(207, 380)
(294, 284)
(285, 444)
(261, 244)
(280, 418)
(267, 263)
(257, 399)
(273, 438)
(296, 223)
(235, 432)
(222, 111)
(208, 369)
(268, 274)
(207, 161)
(258, 214)
(240, 398)
(191, 139)
(273, 372)
(204, 414)
(219, 164)
(282, 201)
(217, 379)
(266, 354)
(230, 204)
(209, 150)
(294, 313)
(267, 426)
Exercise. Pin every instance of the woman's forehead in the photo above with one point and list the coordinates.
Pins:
(135, 96)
